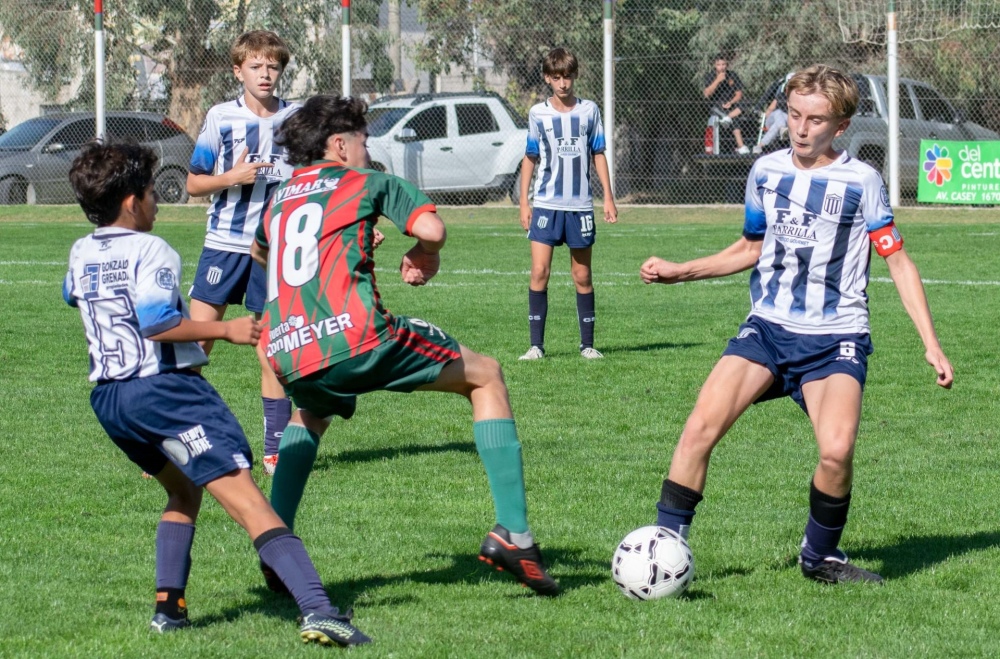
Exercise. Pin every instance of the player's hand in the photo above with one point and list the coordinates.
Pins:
(243, 172)
(377, 239)
(418, 266)
(945, 372)
(525, 217)
(657, 271)
(243, 331)
(610, 212)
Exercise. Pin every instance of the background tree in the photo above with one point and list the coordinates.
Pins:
(189, 40)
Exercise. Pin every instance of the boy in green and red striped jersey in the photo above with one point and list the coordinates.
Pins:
(329, 338)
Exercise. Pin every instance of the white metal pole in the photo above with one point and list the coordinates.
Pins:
(345, 48)
(893, 92)
(609, 89)
(99, 94)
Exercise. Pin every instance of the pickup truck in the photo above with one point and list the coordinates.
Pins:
(923, 114)
(470, 142)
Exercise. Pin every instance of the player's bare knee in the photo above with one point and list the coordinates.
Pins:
(836, 460)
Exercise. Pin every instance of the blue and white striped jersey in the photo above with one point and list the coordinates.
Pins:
(230, 128)
(127, 287)
(813, 269)
(564, 143)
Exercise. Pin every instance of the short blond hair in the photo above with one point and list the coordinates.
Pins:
(839, 89)
(263, 43)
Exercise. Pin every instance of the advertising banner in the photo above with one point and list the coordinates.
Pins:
(959, 172)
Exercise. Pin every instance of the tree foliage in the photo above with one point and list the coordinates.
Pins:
(189, 40)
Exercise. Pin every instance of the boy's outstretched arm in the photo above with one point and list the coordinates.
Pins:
(610, 210)
(422, 262)
(906, 277)
(738, 257)
(241, 331)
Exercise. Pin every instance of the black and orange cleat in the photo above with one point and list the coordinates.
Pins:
(524, 564)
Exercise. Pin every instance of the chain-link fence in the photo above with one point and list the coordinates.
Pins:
(451, 81)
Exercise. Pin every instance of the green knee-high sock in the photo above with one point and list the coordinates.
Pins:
(500, 451)
(295, 460)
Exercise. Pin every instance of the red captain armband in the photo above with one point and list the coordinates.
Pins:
(886, 240)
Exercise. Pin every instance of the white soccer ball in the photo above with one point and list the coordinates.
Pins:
(652, 562)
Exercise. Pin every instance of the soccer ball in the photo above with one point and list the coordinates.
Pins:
(652, 562)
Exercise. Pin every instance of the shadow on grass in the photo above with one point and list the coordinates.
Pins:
(911, 555)
(919, 553)
(622, 349)
(328, 461)
(463, 569)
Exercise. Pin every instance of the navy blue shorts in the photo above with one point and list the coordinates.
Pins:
(795, 359)
(574, 228)
(177, 416)
(226, 277)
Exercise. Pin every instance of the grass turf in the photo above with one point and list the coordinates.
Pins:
(398, 503)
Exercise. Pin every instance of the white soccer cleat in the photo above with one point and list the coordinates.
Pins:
(270, 464)
(591, 353)
(534, 353)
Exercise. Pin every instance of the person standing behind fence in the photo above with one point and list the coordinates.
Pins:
(564, 133)
(724, 90)
(237, 162)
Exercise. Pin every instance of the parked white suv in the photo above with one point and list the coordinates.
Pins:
(450, 142)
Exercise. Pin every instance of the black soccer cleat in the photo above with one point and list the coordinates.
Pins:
(161, 623)
(331, 629)
(524, 564)
(834, 570)
(273, 581)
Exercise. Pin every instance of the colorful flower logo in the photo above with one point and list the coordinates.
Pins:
(937, 166)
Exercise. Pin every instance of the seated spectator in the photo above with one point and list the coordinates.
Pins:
(724, 90)
(775, 116)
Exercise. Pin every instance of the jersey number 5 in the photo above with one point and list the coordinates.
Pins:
(298, 251)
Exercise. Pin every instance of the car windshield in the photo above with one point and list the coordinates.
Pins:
(380, 120)
(26, 135)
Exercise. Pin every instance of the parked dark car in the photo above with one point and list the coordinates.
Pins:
(35, 156)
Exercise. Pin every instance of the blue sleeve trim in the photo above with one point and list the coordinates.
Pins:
(754, 223)
(167, 320)
(67, 295)
(532, 148)
(202, 160)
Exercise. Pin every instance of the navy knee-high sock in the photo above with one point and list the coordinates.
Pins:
(827, 519)
(675, 509)
(538, 309)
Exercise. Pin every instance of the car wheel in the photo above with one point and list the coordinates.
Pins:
(874, 156)
(13, 191)
(515, 190)
(171, 186)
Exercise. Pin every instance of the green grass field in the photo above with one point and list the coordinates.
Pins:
(399, 502)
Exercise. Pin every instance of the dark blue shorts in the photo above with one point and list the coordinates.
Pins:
(226, 277)
(574, 228)
(795, 359)
(177, 416)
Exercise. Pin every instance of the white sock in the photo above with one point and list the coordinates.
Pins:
(522, 540)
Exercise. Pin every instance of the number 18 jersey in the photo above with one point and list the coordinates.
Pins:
(323, 306)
